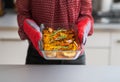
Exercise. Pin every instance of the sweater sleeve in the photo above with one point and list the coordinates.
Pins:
(23, 12)
(86, 12)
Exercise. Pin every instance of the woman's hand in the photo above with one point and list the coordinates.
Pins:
(83, 30)
(32, 30)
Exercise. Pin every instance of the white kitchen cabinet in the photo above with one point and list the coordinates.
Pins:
(13, 52)
(115, 48)
(97, 56)
(97, 49)
(99, 39)
(12, 49)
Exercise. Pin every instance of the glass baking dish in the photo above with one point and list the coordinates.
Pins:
(59, 41)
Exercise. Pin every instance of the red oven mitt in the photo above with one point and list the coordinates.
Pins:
(83, 29)
(33, 32)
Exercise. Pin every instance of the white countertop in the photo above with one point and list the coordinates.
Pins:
(110, 26)
(10, 21)
(59, 73)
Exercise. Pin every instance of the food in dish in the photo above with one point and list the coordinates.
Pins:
(60, 43)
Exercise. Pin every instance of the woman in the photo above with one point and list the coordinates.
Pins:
(31, 13)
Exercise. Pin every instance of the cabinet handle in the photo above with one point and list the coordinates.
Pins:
(118, 41)
(9, 39)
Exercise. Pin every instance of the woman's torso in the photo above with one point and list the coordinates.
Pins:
(55, 11)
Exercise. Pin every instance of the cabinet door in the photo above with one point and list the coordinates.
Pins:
(115, 49)
(13, 51)
(99, 39)
(97, 56)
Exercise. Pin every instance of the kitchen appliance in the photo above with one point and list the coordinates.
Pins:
(116, 5)
(106, 5)
(102, 5)
(107, 11)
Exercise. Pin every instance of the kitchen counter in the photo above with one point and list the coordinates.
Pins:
(9, 21)
(58, 73)
(110, 27)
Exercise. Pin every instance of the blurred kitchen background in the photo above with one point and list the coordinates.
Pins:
(103, 48)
